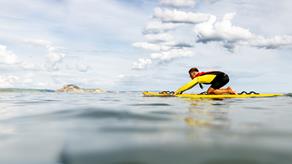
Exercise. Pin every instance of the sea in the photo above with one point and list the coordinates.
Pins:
(123, 127)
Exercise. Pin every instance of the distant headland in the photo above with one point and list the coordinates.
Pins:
(71, 88)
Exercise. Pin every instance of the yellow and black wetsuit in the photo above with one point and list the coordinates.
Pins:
(217, 80)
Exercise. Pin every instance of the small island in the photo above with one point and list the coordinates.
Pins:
(71, 88)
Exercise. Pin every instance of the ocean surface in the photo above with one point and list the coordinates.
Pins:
(44, 127)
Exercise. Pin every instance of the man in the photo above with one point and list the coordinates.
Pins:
(217, 80)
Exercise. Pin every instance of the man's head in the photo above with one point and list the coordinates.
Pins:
(193, 72)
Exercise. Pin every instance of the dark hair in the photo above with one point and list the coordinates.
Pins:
(193, 70)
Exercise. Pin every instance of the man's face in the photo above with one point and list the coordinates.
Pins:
(193, 74)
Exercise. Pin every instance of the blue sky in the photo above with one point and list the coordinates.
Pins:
(144, 45)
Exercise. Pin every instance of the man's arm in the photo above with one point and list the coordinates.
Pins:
(200, 79)
(187, 86)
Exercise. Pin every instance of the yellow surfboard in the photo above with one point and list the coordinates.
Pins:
(201, 96)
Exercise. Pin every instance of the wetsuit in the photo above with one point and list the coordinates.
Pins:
(217, 80)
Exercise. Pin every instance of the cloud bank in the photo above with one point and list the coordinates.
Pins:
(162, 39)
(231, 36)
(160, 33)
(177, 16)
(32, 31)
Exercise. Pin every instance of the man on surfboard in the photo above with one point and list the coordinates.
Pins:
(216, 79)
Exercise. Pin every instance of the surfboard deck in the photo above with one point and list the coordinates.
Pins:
(201, 96)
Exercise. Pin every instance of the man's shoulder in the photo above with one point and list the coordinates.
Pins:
(213, 72)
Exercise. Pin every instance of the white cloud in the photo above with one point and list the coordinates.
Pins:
(171, 55)
(151, 46)
(121, 76)
(28, 66)
(38, 42)
(218, 31)
(8, 81)
(82, 67)
(178, 3)
(162, 56)
(162, 46)
(52, 50)
(64, 26)
(230, 35)
(156, 26)
(9, 58)
(162, 37)
(6, 56)
(54, 56)
(176, 16)
(272, 42)
(141, 64)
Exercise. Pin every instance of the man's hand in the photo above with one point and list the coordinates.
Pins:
(177, 93)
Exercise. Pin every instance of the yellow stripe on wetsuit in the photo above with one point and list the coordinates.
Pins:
(208, 78)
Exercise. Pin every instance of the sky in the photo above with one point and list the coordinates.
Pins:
(145, 44)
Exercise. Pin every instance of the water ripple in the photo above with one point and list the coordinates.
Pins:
(98, 114)
(151, 104)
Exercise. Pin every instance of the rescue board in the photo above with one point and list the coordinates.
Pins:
(201, 96)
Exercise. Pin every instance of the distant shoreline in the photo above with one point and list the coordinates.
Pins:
(25, 90)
